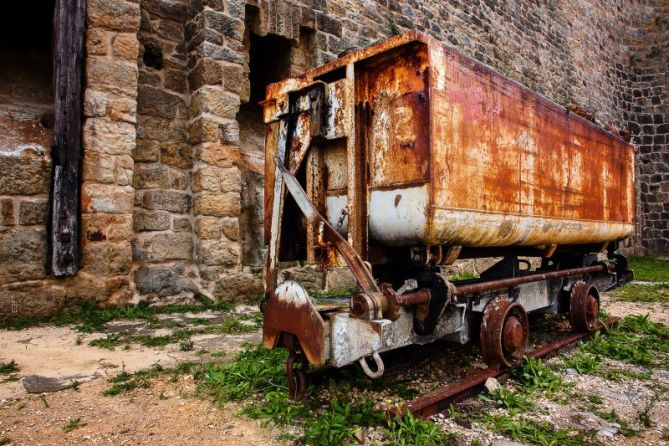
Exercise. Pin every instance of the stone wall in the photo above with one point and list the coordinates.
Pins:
(647, 113)
(173, 157)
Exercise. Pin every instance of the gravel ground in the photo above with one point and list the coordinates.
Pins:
(170, 412)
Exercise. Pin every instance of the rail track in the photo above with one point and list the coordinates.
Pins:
(441, 399)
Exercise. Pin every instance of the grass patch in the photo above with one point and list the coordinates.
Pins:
(74, 423)
(125, 382)
(19, 324)
(8, 367)
(649, 269)
(508, 399)
(253, 370)
(613, 417)
(584, 363)
(330, 294)
(534, 375)
(465, 275)
(534, 432)
(89, 318)
(635, 340)
(643, 293)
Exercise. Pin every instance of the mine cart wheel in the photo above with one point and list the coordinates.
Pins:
(584, 307)
(504, 331)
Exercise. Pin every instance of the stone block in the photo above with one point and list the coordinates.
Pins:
(219, 155)
(102, 227)
(218, 252)
(230, 179)
(234, 79)
(39, 299)
(123, 170)
(176, 154)
(217, 52)
(97, 42)
(151, 220)
(124, 109)
(106, 198)
(26, 171)
(33, 212)
(205, 72)
(111, 75)
(204, 129)
(107, 259)
(156, 102)
(239, 286)
(148, 176)
(229, 131)
(114, 15)
(175, 80)
(161, 247)
(111, 137)
(205, 179)
(230, 227)
(170, 30)
(167, 200)
(328, 24)
(7, 207)
(146, 150)
(208, 228)
(160, 129)
(217, 205)
(126, 46)
(167, 9)
(98, 167)
(22, 254)
(215, 100)
(218, 21)
(181, 224)
(95, 103)
(163, 281)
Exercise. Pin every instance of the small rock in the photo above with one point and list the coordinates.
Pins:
(492, 385)
(605, 433)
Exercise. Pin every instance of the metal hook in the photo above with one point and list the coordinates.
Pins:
(379, 366)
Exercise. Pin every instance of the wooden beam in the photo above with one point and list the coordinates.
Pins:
(69, 34)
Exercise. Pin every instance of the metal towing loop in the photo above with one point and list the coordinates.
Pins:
(379, 366)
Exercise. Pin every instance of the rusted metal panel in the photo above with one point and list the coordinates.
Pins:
(502, 165)
(542, 174)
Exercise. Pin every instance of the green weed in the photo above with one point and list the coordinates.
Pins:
(613, 417)
(533, 375)
(595, 399)
(75, 423)
(534, 432)
(19, 324)
(125, 382)
(508, 399)
(253, 370)
(409, 431)
(643, 293)
(649, 269)
(635, 340)
(465, 275)
(583, 363)
(110, 342)
(4, 440)
(9, 367)
(277, 407)
(337, 425)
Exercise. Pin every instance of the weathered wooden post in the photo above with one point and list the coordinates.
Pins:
(69, 57)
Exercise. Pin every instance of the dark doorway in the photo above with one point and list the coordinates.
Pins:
(269, 61)
(26, 61)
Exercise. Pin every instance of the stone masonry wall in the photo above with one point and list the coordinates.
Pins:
(106, 193)
(647, 111)
(173, 160)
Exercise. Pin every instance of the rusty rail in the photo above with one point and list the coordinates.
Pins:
(440, 400)
(492, 285)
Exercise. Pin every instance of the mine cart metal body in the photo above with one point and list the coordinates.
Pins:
(400, 158)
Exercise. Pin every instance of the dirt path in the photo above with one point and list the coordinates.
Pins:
(169, 412)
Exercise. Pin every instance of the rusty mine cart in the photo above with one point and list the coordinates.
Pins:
(398, 159)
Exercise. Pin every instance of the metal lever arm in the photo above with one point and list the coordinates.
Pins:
(362, 274)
